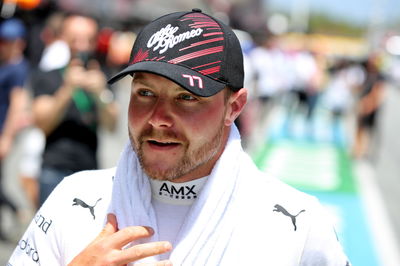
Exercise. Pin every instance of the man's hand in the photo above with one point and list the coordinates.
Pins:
(75, 75)
(95, 81)
(106, 249)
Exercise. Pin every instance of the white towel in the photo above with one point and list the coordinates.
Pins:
(131, 195)
(207, 229)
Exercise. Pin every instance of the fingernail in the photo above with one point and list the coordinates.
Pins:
(150, 229)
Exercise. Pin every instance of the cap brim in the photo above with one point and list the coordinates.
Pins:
(188, 79)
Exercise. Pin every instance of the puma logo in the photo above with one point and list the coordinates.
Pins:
(83, 204)
(279, 208)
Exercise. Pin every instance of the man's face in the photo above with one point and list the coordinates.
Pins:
(6, 50)
(176, 134)
(80, 34)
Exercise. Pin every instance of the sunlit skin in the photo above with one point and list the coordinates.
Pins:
(177, 135)
(80, 33)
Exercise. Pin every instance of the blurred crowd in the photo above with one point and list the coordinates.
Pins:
(54, 97)
(300, 80)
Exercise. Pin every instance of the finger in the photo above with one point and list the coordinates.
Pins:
(112, 219)
(93, 64)
(128, 234)
(157, 263)
(75, 62)
(110, 228)
(141, 251)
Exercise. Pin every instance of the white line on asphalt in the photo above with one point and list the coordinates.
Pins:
(376, 212)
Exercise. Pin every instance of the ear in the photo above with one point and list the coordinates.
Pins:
(235, 105)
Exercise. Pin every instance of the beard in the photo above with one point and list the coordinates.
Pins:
(189, 161)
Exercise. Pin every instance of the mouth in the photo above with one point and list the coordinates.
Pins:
(158, 144)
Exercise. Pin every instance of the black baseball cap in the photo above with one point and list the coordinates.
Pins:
(193, 49)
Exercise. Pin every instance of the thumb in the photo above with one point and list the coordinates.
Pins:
(93, 65)
(75, 62)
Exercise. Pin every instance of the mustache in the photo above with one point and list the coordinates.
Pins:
(161, 135)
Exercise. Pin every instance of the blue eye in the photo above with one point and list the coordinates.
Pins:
(145, 93)
(187, 97)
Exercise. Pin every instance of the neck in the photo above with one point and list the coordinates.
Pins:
(177, 193)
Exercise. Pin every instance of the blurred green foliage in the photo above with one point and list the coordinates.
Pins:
(321, 23)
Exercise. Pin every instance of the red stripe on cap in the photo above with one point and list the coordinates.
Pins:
(202, 42)
(204, 18)
(213, 33)
(204, 24)
(211, 70)
(196, 15)
(196, 19)
(208, 26)
(200, 53)
(212, 63)
(140, 56)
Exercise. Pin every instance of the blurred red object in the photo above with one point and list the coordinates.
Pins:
(24, 4)
(103, 40)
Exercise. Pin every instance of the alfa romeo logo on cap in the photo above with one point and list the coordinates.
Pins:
(165, 38)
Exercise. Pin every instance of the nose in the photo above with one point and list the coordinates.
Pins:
(161, 115)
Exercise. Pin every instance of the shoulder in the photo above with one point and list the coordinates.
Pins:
(16, 74)
(79, 207)
(93, 178)
(275, 202)
(89, 187)
(70, 218)
(270, 188)
(290, 219)
(263, 187)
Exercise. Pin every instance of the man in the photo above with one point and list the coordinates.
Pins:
(184, 191)
(14, 99)
(70, 103)
(371, 95)
(56, 55)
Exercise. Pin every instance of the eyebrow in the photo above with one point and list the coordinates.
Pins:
(141, 81)
(144, 82)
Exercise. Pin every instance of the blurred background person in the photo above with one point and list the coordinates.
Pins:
(14, 99)
(270, 67)
(345, 77)
(370, 98)
(305, 81)
(31, 144)
(55, 55)
(117, 55)
(70, 103)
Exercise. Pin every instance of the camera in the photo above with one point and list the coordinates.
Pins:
(85, 58)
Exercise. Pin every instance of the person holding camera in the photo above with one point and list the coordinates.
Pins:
(70, 104)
